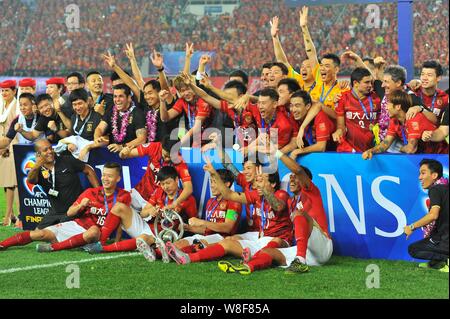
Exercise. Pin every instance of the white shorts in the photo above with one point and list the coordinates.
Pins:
(210, 239)
(319, 250)
(255, 245)
(66, 230)
(137, 201)
(251, 235)
(138, 226)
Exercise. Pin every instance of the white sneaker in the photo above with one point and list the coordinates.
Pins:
(146, 250)
(162, 248)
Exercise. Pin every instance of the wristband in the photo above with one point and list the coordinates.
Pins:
(411, 226)
(160, 70)
(278, 154)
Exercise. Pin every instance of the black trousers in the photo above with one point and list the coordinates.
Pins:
(429, 250)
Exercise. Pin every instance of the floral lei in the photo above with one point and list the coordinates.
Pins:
(151, 124)
(119, 137)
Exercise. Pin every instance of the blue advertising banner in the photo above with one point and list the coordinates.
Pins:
(367, 202)
(298, 3)
(174, 62)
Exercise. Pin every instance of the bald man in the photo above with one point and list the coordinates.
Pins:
(58, 177)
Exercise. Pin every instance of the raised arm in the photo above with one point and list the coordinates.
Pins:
(309, 44)
(295, 168)
(280, 56)
(111, 62)
(189, 53)
(129, 51)
(198, 91)
(166, 115)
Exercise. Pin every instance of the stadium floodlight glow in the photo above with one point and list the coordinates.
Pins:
(167, 220)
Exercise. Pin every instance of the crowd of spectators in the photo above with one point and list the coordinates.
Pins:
(39, 42)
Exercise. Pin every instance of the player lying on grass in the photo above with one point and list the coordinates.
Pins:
(140, 225)
(221, 218)
(271, 210)
(313, 242)
(93, 207)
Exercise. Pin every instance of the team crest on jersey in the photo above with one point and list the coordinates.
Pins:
(45, 174)
(130, 121)
(439, 101)
(89, 127)
(322, 126)
(223, 206)
(415, 125)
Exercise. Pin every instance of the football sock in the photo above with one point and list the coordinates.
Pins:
(124, 245)
(72, 242)
(17, 240)
(209, 253)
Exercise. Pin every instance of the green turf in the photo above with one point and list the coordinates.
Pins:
(134, 277)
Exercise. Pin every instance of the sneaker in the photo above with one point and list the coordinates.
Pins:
(432, 264)
(229, 268)
(176, 254)
(146, 250)
(444, 268)
(297, 267)
(94, 248)
(162, 248)
(44, 248)
(246, 255)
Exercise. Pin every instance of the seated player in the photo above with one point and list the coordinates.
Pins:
(408, 131)
(91, 207)
(313, 241)
(159, 155)
(271, 210)
(139, 225)
(317, 134)
(222, 217)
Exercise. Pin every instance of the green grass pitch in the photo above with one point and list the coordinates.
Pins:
(132, 276)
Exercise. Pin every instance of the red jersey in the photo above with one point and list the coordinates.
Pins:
(319, 131)
(187, 209)
(279, 122)
(413, 129)
(436, 102)
(95, 213)
(358, 119)
(199, 109)
(244, 123)
(311, 202)
(218, 211)
(273, 224)
(148, 183)
(252, 221)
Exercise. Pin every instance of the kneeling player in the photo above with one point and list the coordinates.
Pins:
(94, 204)
(314, 245)
(222, 217)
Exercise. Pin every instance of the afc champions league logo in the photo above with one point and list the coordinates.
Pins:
(27, 164)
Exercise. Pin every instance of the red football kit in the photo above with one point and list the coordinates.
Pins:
(360, 116)
(273, 224)
(217, 211)
(148, 184)
(413, 129)
(99, 205)
(436, 102)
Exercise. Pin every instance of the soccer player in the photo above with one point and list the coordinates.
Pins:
(285, 89)
(408, 131)
(243, 120)
(439, 134)
(270, 120)
(91, 209)
(159, 155)
(313, 242)
(271, 210)
(317, 134)
(195, 109)
(140, 225)
(122, 126)
(221, 216)
(435, 247)
(357, 114)
(433, 98)
(278, 71)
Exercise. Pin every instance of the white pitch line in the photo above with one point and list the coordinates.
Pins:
(11, 270)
